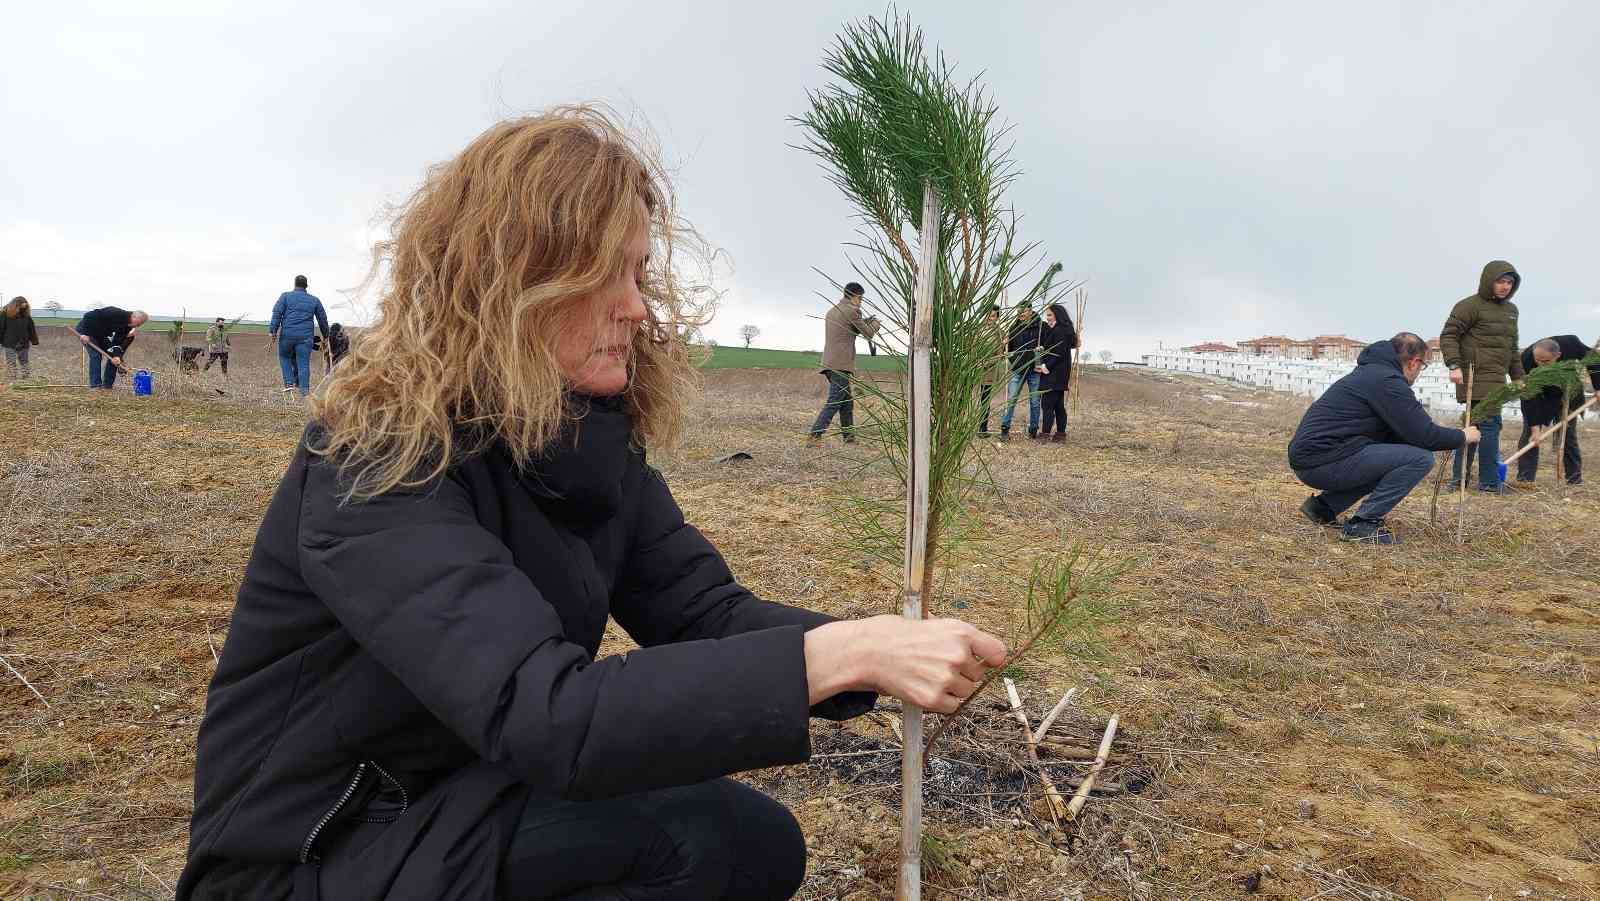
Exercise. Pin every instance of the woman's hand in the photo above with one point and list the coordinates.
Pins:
(934, 664)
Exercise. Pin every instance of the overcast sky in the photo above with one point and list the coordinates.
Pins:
(1215, 170)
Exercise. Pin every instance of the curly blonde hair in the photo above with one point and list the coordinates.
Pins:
(490, 264)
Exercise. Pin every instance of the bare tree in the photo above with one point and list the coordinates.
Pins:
(749, 333)
(52, 307)
(1107, 356)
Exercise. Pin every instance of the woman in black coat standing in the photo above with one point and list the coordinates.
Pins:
(410, 703)
(1057, 339)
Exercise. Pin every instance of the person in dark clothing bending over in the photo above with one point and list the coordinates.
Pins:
(1368, 436)
(410, 702)
(1546, 408)
(111, 330)
(843, 323)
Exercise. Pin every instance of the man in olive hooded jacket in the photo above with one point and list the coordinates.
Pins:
(1481, 335)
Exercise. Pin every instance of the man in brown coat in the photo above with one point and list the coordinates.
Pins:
(1480, 335)
(842, 324)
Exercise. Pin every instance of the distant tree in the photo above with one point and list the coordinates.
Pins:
(52, 307)
(749, 333)
(1107, 356)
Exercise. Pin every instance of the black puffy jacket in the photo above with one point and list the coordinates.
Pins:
(1374, 404)
(428, 657)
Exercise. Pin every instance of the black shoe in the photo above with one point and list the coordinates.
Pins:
(1058, 438)
(1497, 488)
(1005, 434)
(985, 433)
(1317, 510)
(1358, 529)
(1575, 481)
(1033, 433)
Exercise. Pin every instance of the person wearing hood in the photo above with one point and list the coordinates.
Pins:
(1547, 408)
(1481, 335)
(1368, 436)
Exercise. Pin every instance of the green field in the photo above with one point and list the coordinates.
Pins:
(159, 327)
(760, 358)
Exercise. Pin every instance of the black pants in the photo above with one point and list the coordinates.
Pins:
(984, 393)
(715, 840)
(839, 401)
(1571, 454)
(1055, 412)
(216, 357)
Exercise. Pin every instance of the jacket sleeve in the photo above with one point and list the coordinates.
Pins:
(1456, 324)
(1400, 410)
(277, 316)
(322, 318)
(33, 336)
(435, 598)
(1516, 370)
(678, 588)
(865, 326)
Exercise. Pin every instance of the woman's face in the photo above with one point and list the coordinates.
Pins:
(1050, 317)
(594, 352)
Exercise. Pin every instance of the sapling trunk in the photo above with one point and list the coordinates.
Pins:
(919, 434)
(1461, 502)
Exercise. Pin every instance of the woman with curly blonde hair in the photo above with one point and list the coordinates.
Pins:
(410, 702)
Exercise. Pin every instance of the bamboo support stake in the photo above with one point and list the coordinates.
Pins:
(24, 680)
(1081, 301)
(1560, 449)
(1057, 808)
(1438, 481)
(1538, 437)
(1050, 718)
(1082, 794)
(1466, 459)
(919, 408)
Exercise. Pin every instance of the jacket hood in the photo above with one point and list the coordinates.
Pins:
(1491, 274)
(1382, 353)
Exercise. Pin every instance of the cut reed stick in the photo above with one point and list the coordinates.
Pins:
(1081, 302)
(1082, 793)
(919, 435)
(1466, 460)
(1050, 718)
(1057, 806)
(24, 680)
(1438, 481)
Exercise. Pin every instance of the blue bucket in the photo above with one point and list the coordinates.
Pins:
(1502, 473)
(143, 383)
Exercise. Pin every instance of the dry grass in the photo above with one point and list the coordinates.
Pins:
(1300, 714)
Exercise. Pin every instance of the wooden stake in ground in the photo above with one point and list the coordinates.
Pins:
(1560, 449)
(919, 434)
(1057, 806)
(1438, 481)
(1082, 793)
(1466, 461)
(1081, 302)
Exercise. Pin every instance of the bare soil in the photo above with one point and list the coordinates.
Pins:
(1302, 717)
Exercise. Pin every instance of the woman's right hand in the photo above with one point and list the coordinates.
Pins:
(935, 664)
(84, 339)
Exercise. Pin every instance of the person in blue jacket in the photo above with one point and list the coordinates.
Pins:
(1368, 436)
(292, 327)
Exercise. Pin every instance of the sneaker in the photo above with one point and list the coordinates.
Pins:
(1575, 481)
(1058, 438)
(1034, 434)
(1317, 510)
(1358, 529)
(1497, 488)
